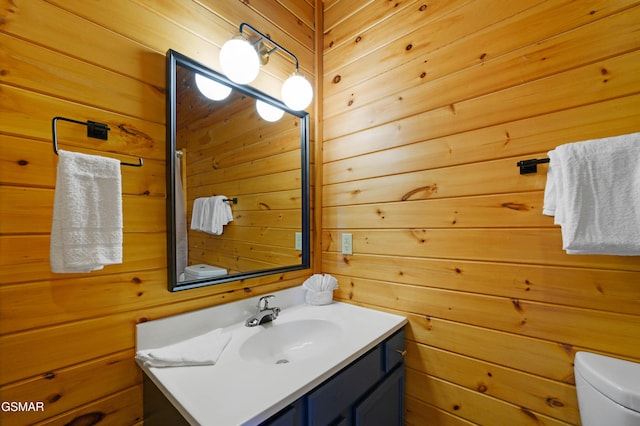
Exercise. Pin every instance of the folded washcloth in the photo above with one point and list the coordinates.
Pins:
(320, 289)
(86, 231)
(200, 350)
(593, 190)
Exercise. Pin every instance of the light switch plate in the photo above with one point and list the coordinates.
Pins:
(347, 244)
(298, 240)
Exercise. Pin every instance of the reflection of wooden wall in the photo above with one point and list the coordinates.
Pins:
(68, 340)
(233, 152)
(428, 107)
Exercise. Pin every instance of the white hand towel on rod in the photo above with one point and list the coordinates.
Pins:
(593, 189)
(86, 231)
(220, 216)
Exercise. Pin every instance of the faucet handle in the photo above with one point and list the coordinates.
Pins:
(265, 299)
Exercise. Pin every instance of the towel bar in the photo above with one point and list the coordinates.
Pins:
(531, 166)
(94, 130)
(233, 200)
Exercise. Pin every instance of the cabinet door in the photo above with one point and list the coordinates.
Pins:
(385, 405)
(293, 415)
(332, 398)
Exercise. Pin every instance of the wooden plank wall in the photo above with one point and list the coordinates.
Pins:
(428, 105)
(231, 151)
(68, 340)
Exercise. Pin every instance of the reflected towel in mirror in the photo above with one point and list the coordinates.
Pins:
(211, 214)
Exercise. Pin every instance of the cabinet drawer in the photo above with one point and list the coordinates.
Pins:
(332, 398)
(394, 350)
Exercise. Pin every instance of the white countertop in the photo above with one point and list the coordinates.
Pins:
(236, 391)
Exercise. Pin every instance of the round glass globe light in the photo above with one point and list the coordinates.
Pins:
(297, 92)
(239, 60)
(212, 89)
(269, 112)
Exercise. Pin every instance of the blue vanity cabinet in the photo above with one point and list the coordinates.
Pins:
(368, 392)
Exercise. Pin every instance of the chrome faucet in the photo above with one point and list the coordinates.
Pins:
(264, 314)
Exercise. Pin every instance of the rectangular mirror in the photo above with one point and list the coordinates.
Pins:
(238, 203)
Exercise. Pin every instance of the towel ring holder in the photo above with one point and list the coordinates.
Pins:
(94, 130)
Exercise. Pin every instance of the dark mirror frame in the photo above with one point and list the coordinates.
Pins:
(175, 59)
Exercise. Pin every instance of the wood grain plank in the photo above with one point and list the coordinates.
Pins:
(32, 163)
(68, 388)
(539, 357)
(595, 330)
(554, 399)
(599, 289)
(508, 60)
(303, 10)
(25, 258)
(129, 136)
(397, 44)
(420, 413)
(124, 407)
(342, 24)
(526, 246)
(372, 40)
(28, 306)
(491, 211)
(42, 23)
(45, 71)
(479, 178)
(336, 10)
(597, 82)
(30, 211)
(38, 351)
(471, 405)
(440, 148)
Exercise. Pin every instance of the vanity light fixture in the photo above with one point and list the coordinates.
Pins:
(240, 61)
(212, 89)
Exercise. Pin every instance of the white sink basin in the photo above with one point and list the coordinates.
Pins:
(285, 342)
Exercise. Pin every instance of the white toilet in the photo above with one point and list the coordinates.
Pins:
(608, 390)
(202, 271)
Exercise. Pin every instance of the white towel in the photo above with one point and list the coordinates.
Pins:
(200, 350)
(198, 213)
(221, 214)
(211, 214)
(593, 189)
(86, 232)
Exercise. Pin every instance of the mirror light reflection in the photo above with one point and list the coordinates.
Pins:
(242, 179)
(211, 88)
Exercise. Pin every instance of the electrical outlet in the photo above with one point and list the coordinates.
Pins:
(298, 240)
(347, 244)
